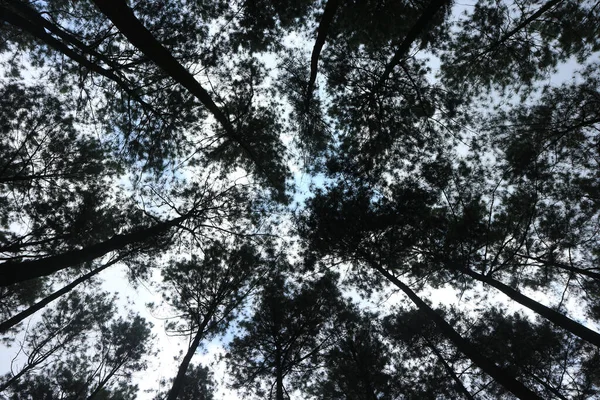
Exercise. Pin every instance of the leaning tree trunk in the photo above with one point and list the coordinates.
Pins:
(122, 16)
(31, 22)
(15, 319)
(566, 267)
(500, 375)
(449, 370)
(326, 20)
(415, 31)
(185, 363)
(132, 28)
(6, 384)
(548, 386)
(19, 271)
(548, 313)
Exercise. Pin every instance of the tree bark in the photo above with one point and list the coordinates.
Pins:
(500, 375)
(548, 313)
(19, 271)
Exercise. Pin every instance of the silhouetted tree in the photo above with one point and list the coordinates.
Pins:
(285, 335)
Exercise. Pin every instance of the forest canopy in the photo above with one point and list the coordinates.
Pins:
(351, 199)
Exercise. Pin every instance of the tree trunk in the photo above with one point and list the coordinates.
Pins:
(548, 313)
(15, 247)
(36, 18)
(14, 320)
(548, 386)
(23, 178)
(326, 19)
(278, 375)
(19, 271)
(523, 24)
(500, 375)
(461, 387)
(14, 378)
(185, 363)
(418, 28)
(35, 28)
(586, 272)
(127, 23)
(103, 382)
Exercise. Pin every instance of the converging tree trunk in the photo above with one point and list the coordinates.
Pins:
(19, 271)
(125, 20)
(546, 312)
(278, 373)
(326, 20)
(185, 363)
(418, 28)
(28, 20)
(449, 370)
(16, 319)
(566, 267)
(501, 375)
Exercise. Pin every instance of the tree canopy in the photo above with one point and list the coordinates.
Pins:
(348, 199)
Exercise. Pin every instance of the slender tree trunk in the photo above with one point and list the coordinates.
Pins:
(35, 28)
(104, 381)
(16, 246)
(19, 271)
(278, 374)
(326, 19)
(14, 320)
(449, 370)
(365, 373)
(548, 313)
(14, 378)
(417, 29)
(524, 24)
(185, 363)
(23, 178)
(34, 359)
(369, 391)
(34, 16)
(500, 375)
(581, 271)
(548, 386)
(126, 22)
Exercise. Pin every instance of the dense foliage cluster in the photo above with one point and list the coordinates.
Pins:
(360, 199)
